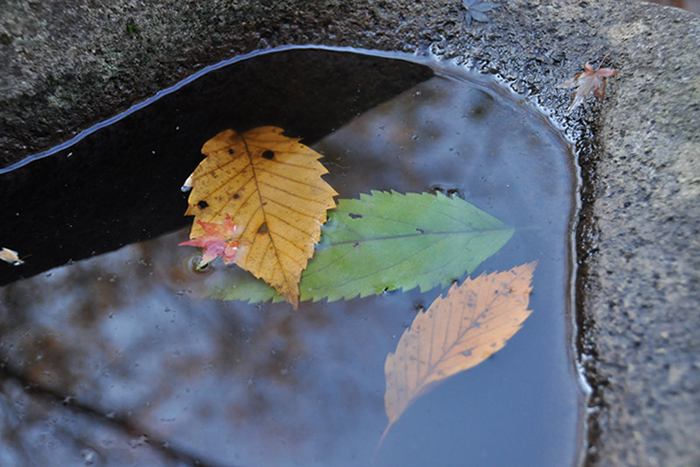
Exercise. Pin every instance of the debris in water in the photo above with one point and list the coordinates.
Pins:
(10, 256)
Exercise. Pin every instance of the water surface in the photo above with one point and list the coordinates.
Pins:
(116, 358)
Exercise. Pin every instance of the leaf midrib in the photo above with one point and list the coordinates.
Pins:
(423, 235)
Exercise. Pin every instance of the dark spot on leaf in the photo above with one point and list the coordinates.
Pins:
(236, 196)
(268, 154)
(230, 151)
(203, 204)
(263, 228)
(355, 216)
(356, 245)
(467, 352)
(421, 231)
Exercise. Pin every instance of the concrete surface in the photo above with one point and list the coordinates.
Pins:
(66, 64)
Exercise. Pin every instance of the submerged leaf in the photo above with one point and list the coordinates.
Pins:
(590, 81)
(387, 241)
(271, 187)
(459, 331)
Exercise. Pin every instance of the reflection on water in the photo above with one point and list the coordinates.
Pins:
(118, 360)
(127, 335)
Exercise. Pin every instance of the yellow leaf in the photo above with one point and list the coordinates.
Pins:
(10, 256)
(458, 331)
(271, 187)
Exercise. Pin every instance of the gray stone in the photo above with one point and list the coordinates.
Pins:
(65, 65)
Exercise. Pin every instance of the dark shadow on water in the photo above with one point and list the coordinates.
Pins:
(121, 184)
(126, 362)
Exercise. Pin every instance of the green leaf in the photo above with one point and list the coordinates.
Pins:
(242, 285)
(386, 241)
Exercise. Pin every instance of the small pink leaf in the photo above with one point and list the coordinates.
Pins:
(218, 241)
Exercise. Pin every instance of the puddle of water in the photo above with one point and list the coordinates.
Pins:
(128, 363)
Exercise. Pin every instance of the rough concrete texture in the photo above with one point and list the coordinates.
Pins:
(67, 64)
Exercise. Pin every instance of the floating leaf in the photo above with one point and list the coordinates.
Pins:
(10, 256)
(589, 81)
(219, 240)
(387, 241)
(271, 187)
(238, 285)
(472, 322)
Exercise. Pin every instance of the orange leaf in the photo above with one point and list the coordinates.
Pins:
(270, 185)
(471, 323)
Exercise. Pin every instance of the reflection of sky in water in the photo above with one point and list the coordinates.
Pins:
(126, 335)
(212, 377)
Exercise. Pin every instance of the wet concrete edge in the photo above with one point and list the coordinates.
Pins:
(65, 65)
